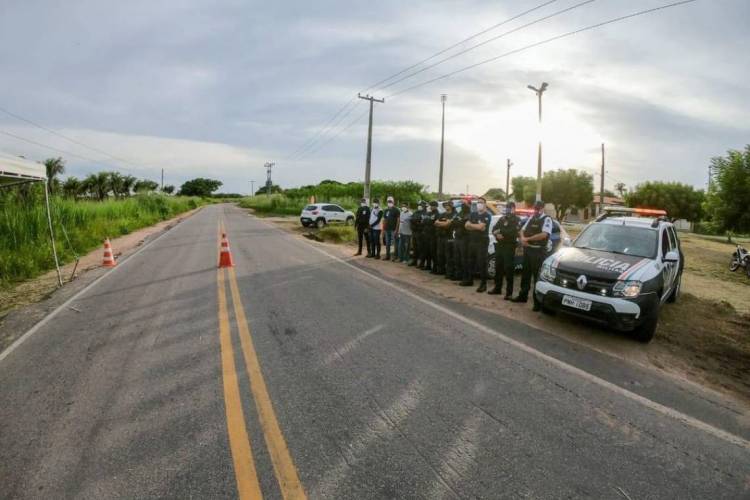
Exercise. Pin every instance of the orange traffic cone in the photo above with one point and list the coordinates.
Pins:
(109, 258)
(225, 257)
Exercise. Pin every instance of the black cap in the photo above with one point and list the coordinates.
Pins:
(538, 204)
(433, 203)
(422, 203)
(510, 204)
(363, 200)
(376, 200)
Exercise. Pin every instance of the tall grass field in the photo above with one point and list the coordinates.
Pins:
(279, 204)
(25, 249)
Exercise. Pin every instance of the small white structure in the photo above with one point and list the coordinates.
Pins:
(15, 170)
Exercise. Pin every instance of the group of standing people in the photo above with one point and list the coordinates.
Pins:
(455, 242)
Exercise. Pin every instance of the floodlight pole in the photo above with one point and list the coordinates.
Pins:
(443, 98)
(51, 232)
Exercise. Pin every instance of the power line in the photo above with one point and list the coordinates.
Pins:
(328, 126)
(48, 147)
(304, 151)
(475, 35)
(543, 42)
(494, 38)
(333, 137)
(54, 132)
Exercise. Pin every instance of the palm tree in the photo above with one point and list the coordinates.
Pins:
(116, 182)
(620, 188)
(98, 185)
(72, 187)
(54, 167)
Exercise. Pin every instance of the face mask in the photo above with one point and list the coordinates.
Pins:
(480, 206)
(363, 204)
(390, 204)
(404, 209)
(508, 211)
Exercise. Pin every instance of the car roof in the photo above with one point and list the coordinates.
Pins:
(645, 222)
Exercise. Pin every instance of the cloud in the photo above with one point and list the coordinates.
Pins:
(216, 89)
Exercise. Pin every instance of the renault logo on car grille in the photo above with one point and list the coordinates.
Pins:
(581, 282)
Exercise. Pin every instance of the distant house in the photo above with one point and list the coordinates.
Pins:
(578, 215)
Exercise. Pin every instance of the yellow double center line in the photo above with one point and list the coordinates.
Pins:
(239, 442)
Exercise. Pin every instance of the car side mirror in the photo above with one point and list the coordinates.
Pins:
(567, 242)
(672, 256)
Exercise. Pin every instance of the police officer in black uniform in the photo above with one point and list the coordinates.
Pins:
(479, 230)
(461, 244)
(362, 223)
(506, 234)
(416, 233)
(427, 244)
(442, 233)
(533, 235)
(451, 265)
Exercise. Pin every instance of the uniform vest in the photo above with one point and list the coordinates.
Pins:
(534, 227)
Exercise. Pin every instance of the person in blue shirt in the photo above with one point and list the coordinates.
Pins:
(478, 227)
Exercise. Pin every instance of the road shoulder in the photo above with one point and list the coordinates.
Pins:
(29, 302)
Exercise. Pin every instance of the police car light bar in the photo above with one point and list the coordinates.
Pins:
(638, 211)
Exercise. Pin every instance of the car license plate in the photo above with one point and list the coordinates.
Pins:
(582, 304)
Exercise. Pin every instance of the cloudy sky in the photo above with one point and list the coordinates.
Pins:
(217, 88)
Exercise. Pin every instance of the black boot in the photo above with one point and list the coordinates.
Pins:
(520, 299)
(482, 287)
(495, 291)
(466, 283)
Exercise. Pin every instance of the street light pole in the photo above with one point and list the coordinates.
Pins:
(443, 98)
(507, 181)
(539, 91)
(252, 188)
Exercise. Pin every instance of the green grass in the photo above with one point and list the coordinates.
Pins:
(338, 234)
(25, 249)
(279, 204)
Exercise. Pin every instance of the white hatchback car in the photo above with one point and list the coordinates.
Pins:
(320, 214)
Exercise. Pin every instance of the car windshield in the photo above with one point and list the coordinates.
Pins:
(629, 240)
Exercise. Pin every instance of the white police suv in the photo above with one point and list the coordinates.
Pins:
(618, 271)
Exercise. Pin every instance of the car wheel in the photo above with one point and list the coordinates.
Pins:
(321, 223)
(304, 224)
(491, 266)
(734, 265)
(350, 221)
(676, 291)
(646, 330)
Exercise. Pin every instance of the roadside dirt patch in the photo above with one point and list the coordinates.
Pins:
(702, 338)
(40, 288)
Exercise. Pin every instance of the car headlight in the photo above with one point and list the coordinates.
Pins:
(627, 288)
(548, 272)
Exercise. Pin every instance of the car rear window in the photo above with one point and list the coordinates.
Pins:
(628, 240)
(311, 207)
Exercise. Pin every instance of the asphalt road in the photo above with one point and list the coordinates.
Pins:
(296, 373)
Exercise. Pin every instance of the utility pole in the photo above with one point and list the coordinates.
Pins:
(601, 186)
(252, 188)
(443, 98)
(162, 179)
(539, 91)
(507, 181)
(368, 162)
(269, 165)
